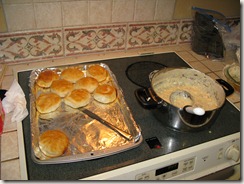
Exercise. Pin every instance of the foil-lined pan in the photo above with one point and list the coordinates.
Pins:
(88, 138)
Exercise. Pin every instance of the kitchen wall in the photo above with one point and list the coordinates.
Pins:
(34, 30)
(230, 8)
(41, 14)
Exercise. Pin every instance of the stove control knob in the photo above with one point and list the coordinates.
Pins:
(233, 153)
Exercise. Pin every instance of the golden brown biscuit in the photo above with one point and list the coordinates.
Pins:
(88, 83)
(71, 74)
(62, 87)
(98, 72)
(46, 77)
(53, 143)
(78, 98)
(105, 93)
(48, 102)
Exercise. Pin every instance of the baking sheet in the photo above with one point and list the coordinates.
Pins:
(88, 138)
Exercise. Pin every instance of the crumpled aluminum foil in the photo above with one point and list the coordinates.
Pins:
(88, 138)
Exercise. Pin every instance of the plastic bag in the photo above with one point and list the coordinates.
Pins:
(215, 17)
(208, 28)
(232, 40)
(232, 43)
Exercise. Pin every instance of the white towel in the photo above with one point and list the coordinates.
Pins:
(15, 101)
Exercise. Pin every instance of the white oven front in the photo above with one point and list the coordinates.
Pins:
(187, 164)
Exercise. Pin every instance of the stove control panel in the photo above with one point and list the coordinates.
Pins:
(169, 171)
(186, 164)
(233, 153)
(195, 162)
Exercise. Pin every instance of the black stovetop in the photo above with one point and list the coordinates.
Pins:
(227, 123)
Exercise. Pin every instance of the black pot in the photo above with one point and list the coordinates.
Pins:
(179, 118)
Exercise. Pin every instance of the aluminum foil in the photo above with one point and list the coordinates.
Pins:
(88, 138)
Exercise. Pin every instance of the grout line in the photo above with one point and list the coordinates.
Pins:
(155, 10)
(134, 12)
(88, 12)
(16, 158)
(9, 131)
(34, 12)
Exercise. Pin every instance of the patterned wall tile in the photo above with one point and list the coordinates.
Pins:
(58, 43)
(185, 31)
(152, 34)
(94, 39)
(31, 46)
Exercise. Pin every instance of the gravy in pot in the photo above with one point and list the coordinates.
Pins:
(204, 91)
(199, 97)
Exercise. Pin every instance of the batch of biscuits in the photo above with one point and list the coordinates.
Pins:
(76, 89)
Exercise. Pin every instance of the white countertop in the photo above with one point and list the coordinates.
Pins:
(10, 158)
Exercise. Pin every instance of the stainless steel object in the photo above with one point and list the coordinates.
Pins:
(186, 98)
(181, 95)
(107, 124)
(183, 119)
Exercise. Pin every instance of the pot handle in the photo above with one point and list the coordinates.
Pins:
(145, 99)
(226, 86)
(195, 110)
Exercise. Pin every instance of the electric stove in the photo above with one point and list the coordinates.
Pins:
(163, 153)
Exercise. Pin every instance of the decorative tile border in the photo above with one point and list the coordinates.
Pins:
(152, 34)
(94, 39)
(31, 46)
(185, 32)
(58, 43)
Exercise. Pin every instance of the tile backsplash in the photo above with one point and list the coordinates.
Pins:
(44, 14)
(31, 45)
(56, 43)
(95, 39)
(49, 29)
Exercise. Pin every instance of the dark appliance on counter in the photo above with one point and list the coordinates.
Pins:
(163, 154)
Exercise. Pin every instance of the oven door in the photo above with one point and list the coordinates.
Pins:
(230, 173)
